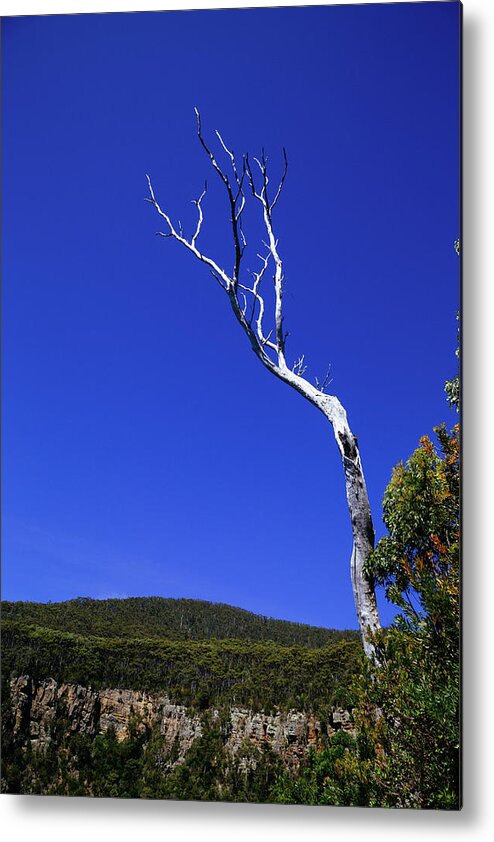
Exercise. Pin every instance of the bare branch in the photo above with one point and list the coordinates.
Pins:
(197, 203)
(251, 178)
(321, 386)
(267, 342)
(238, 238)
(225, 147)
(299, 367)
(242, 235)
(262, 197)
(161, 213)
(259, 341)
(218, 279)
(280, 188)
(258, 299)
(232, 159)
(244, 308)
(206, 148)
(258, 276)
(242, 205)
(219, 273)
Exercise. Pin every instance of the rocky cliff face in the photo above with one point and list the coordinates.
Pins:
(40, 707)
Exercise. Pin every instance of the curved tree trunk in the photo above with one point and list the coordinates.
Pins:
(361, 520)
(357, 499)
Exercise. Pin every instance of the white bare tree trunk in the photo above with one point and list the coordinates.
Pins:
(249, 308)
(357, 499)
(362, 528)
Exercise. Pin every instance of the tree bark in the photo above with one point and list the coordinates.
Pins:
(361, 520)
(357, 499)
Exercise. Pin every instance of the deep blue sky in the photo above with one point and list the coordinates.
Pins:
(145, 449)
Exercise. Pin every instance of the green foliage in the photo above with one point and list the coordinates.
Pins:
(419, 556)
(408, 711)
(140, 766)
(201, 673)
(337, 775)
(201, 776)
(408, 707)
(197, 673)
(253, 774)
(166, 619)
(452, 387)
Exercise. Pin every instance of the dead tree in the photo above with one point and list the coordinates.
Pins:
(268, 342)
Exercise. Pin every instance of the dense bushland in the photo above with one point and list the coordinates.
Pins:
(170, 619)
(199, 673)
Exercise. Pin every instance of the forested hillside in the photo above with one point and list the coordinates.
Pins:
(199, 673)
(170, 619)
(193, 672)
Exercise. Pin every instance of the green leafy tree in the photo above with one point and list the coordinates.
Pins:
(338, 775)
(417, 562)
(408, 708)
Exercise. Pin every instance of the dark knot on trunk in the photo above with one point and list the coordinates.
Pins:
(349, 445)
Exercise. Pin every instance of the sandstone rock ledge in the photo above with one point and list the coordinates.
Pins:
(39, 705)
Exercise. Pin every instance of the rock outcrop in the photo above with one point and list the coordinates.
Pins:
(42, 708)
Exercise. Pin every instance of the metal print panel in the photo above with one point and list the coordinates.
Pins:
(231, 474)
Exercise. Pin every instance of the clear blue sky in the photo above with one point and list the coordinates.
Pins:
(145, 449)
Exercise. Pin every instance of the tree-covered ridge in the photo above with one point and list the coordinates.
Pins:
(260, 675)
(170, 619)
(203, 674)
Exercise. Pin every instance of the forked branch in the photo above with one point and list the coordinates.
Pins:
(246, 300)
